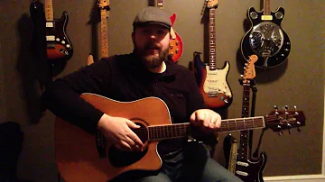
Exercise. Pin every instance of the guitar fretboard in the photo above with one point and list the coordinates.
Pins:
(103, 33)
(212, 44)
(267, 7)
(182, 130)
(244, 135)
(48, 8)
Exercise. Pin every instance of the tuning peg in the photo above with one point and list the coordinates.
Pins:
(289, 131)
(280, 133)
(286, 109)
(276, 110)
(295, 109)
(298, 129)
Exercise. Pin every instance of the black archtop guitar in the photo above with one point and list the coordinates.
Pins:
(266, 38)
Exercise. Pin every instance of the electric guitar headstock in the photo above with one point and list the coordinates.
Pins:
(103, 4)
(249, 70)
(279, 120)
(212, 3)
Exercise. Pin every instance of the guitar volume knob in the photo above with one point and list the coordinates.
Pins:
(253, 15)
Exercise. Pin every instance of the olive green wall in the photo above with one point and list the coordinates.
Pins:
(300, 81)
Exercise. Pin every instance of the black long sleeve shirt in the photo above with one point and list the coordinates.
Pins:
(122, 78)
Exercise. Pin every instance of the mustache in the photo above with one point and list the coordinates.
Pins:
(152, 46)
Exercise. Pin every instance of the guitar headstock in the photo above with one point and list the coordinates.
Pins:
(103, 4)
(249, 69)
(279, 120)
(212, 3)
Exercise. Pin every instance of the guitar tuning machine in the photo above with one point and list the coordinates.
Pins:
(276, 110)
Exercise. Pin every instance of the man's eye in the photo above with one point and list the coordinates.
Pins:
(161, 32)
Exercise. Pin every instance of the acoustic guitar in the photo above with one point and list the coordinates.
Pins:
(266, 38)
(59, 46)
(78, 158)
(211, 80)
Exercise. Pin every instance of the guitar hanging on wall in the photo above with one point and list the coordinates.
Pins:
(59, 46)
(104, 14)
(176, 43)
(211, 80)
(266, 38)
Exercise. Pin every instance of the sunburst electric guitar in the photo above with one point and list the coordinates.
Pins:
(211, 80)
(266, 38)
(78, 157)
(59, 46)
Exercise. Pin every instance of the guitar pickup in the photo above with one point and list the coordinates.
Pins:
(50, 38)
(241, 173)
(49, 24)
(244, 164)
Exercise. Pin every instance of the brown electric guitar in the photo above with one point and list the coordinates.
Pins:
(78, 158)
(59, 46)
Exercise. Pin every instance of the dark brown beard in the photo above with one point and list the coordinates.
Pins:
(152, 63)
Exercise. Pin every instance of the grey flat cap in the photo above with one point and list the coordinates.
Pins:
(152, 15)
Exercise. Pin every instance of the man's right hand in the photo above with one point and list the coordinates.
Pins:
(118, 131)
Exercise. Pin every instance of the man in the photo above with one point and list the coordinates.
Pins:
(145, 72)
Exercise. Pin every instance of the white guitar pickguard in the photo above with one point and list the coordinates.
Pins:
(216, 82)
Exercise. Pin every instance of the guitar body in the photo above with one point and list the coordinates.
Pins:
(213, 84)
(266, 39)
(252, 173)
(75, 150)
(58, 44)
(176, 43)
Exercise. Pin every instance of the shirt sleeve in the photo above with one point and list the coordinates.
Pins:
(195, 99)
(62, 97)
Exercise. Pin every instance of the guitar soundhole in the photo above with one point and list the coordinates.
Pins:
(120, 158)
(266, 39)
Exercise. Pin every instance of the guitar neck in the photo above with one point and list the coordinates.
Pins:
(161, 132)
(48, 8)
(212, 44)
(103, 33)
(244, 135)
(267, 7)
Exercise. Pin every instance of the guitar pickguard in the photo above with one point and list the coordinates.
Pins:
(216, 83)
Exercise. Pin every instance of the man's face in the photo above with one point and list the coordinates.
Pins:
(151, 43)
